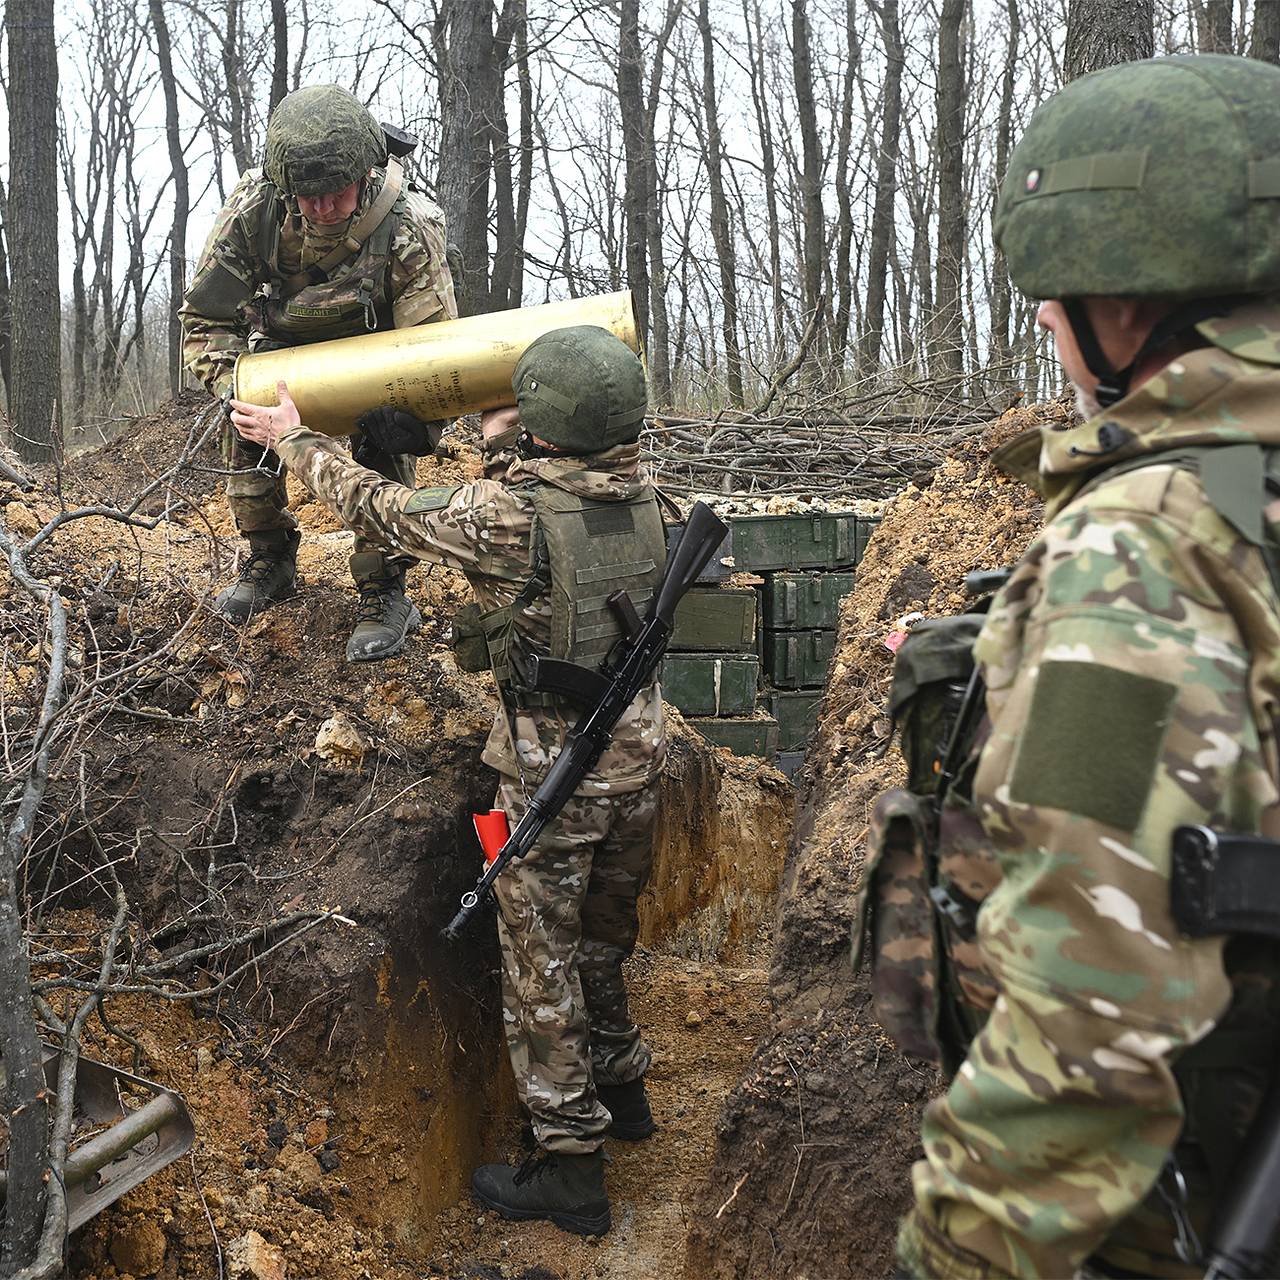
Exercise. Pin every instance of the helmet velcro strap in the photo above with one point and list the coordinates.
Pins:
(1103, 171)
(628, 418)
(539, 390)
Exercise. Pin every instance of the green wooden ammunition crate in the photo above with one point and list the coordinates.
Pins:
(755, 737)
(798, 659)
(715, 570)
(800, 600)
(866, 527)
(796, 713)
(823, 541)
(711, 684)
(720, 621)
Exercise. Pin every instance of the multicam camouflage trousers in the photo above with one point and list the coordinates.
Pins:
(256, 488)
(567, 921)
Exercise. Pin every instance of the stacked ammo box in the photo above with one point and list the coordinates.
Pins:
(746, 665)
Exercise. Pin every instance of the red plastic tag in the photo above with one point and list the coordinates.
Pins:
(493, 831)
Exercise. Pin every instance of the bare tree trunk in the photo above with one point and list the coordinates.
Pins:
(948, 329)
(1213, 26)
(6, 313)
(181, 198)
(882, 215)
(524, 178)
(280, 51)
(721, 228)
(764, 128)
(1265, 42)
(811, 171)
(660, 337)
(1101, 33)
(635, 200)
(505, 246)
(845, 276)
(1001, 293)
(33, 232)
(464, 162)
(233, 70)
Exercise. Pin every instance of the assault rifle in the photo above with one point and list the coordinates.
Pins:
(1242, 1243)
(605, 694)
(1224, 884)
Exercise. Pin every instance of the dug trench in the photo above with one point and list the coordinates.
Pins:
(815, 1142)
(344, 1085)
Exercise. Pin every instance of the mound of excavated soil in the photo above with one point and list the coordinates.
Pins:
(345, 1086)
(815, 1144)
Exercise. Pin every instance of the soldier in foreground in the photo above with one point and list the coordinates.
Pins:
(325, 242)
(1132, 669)
(564, 518)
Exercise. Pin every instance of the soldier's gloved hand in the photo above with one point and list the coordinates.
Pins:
(390, 431)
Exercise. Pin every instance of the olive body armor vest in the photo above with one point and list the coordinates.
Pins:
(584, 549)
(316, 306)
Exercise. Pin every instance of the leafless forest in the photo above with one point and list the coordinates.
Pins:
(798, 193)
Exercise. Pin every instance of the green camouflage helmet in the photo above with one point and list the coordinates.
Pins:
(580, 389)
(320, 140)
(1155, 179)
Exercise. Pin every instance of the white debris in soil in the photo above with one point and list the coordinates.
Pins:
(743, 504)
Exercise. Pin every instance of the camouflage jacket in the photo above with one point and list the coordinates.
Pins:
(1133, 672)
(485, 529)
(420, 285)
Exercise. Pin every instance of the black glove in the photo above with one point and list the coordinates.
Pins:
(387, 431)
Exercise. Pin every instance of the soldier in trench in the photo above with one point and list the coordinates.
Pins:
(326, 241)
(564, 517)
(1118, 1048)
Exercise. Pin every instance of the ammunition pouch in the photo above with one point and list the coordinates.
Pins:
(894, 916)
(930, 676)
(928, 866)
(470, 649)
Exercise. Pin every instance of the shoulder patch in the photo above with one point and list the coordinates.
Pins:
(1092, 741)
(431, 499)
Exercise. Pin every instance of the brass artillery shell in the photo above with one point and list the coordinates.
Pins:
(434, 370)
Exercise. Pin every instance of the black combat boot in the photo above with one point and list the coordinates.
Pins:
(628, 1105)
(269, 574)
(386, 615)
(569, 1190)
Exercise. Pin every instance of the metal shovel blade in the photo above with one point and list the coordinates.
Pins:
(132, 1128)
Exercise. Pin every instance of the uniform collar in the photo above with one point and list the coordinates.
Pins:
(1223, 393)
(612, 472)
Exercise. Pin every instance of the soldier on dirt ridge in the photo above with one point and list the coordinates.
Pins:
(1115, 1058)
(326, 241)
(564, 517)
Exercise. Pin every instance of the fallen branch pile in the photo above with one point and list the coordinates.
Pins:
(869, 451)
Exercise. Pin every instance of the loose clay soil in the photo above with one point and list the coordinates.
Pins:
(343, 1088)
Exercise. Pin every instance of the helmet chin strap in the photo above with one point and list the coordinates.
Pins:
(1113, 384)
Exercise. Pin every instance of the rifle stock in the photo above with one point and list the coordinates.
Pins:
(623, 675)
(1242, 1243)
